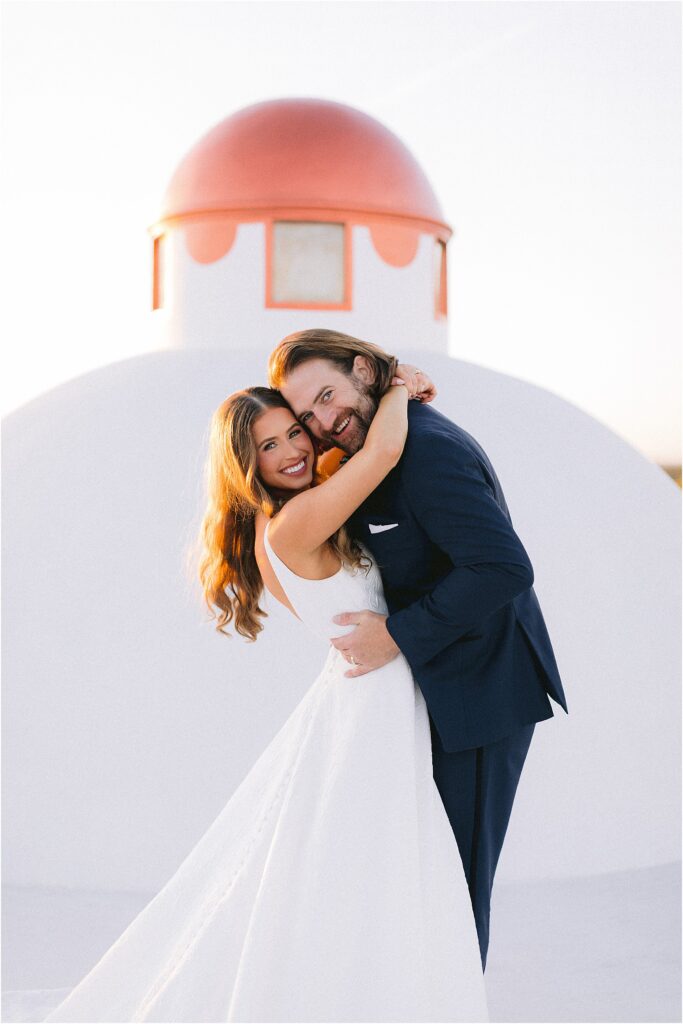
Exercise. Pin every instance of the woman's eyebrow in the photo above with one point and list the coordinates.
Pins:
(267, 439)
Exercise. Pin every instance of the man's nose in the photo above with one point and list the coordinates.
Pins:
(326, 417)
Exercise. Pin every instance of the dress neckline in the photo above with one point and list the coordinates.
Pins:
(305, 579)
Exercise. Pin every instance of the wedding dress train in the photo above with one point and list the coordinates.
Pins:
(330, 886)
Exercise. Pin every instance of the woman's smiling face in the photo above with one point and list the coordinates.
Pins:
(284, 452)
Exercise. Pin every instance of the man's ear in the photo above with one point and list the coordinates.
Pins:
(363, 368)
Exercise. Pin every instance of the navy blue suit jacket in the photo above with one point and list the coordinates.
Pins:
(458, 584)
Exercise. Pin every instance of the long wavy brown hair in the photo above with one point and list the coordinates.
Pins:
(228, 571)
(341, 349)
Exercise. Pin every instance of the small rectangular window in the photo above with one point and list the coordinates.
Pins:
(158, 271)
(307, 263)
(440, 282)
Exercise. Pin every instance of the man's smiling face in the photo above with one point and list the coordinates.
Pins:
(336, 407)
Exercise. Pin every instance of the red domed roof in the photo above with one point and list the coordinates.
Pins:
(304, 154)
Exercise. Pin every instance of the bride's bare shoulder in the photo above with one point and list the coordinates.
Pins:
(260, 523)
(270, 580)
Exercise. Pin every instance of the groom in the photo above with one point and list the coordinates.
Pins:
(458, 586)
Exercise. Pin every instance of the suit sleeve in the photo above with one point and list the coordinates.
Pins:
(451, 498)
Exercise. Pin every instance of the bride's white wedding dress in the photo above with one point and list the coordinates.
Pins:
(330, 886)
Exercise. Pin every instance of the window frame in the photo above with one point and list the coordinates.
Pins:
(158, 247)
(441, 285)
(347, 263)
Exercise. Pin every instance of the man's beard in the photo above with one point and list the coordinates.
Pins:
(361, 415)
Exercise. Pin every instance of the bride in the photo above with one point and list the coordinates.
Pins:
(330, 887)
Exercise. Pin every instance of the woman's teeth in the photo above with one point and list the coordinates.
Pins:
(295, 469)
(343, 425)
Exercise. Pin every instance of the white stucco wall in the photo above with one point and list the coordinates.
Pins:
(128, 721)
(222, 304)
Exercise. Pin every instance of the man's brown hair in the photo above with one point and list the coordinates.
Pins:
(341, 349)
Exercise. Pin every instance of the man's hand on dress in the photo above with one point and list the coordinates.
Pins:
(369, 646)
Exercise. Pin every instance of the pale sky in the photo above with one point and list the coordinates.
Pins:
(551, 133)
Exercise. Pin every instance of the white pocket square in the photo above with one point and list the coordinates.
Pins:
(381, 527)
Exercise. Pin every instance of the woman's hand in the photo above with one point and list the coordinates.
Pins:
(420, 385)
(389, 427)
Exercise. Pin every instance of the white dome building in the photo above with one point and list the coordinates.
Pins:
(129, 721)
(292, 206)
